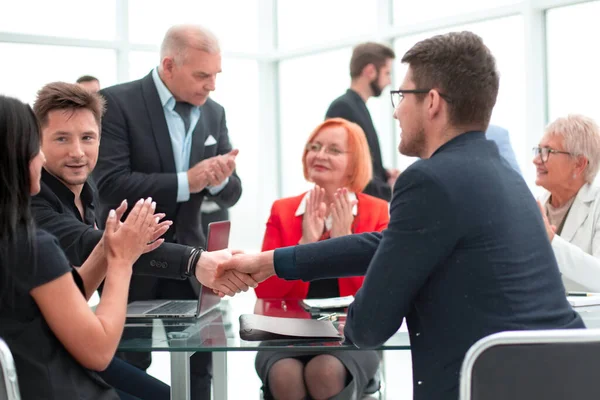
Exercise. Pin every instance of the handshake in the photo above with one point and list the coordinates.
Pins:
(229, 272)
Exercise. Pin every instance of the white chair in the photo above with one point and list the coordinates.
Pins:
(524, 365)
(9, 386)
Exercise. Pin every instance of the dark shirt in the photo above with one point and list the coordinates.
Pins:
(350, 106)
(465, 255)
(54, 210)
(45, 369)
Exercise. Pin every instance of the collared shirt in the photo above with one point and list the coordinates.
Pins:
(67, 198)
(181, 140)
(328, 221)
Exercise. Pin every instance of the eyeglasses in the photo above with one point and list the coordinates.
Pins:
(331, 150)
(544, 152)
(398, 95)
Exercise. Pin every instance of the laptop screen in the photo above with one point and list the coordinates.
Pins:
(217, 239)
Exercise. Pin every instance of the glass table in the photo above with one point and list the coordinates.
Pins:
(218, 332)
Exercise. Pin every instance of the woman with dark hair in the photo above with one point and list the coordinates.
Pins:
(56, 339)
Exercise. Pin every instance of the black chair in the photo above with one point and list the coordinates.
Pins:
(9, 386)
(525, 365)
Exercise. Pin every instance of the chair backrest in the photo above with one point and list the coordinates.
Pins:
(550, 365)
(9, 386)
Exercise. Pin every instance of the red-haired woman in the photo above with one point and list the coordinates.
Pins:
(337, 160)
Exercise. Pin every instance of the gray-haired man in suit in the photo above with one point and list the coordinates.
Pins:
(162, 136)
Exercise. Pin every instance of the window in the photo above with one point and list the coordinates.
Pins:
(141, 63)
(68, 18)
(33, 66)
(309, 22)
(307, 86)
(408, 12)
(234, 22)
(504, 37)
(573, 60)
(237, 92)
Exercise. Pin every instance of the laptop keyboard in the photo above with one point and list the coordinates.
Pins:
(176, 307)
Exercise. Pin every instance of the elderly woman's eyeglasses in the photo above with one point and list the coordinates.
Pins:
(331, 150)
(398, 95)
(544, 152)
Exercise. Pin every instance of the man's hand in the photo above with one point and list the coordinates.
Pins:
(392, 174)
(550, 229)
(199, 175)
(211, 171)
(229, 282)
(222, 167)
(258, 266)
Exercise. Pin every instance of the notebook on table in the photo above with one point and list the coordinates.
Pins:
(332, 303)
(584, 300)
(217, 239)
(255, 327)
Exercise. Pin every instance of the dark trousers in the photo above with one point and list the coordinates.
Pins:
(133, 384)
(200, 363)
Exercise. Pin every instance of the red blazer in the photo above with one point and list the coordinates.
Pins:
(284, 228)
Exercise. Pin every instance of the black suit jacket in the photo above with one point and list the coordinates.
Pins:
(465, 255)
(351, 107)
(55, 212)
(136, 158)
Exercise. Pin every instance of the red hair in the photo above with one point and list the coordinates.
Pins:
(360, 167)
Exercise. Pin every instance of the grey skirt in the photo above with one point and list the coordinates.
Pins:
(361, 365)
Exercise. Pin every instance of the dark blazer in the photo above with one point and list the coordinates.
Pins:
(465, 255)
(55, 212)
(351, 107)
(136, 158)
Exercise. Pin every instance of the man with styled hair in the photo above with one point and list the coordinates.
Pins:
(162, 136)
(465, 254)
(370, 72)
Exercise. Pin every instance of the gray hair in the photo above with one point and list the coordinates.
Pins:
(180, 38)
(581, 137)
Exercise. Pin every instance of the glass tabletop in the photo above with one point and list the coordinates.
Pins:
(219, 330)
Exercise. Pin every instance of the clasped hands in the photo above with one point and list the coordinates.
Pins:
(211, 171)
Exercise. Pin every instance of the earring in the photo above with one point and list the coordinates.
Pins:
(574, 176)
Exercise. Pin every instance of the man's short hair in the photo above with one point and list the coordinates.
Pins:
(179, 38)
(359, 161)
(67, 96)
(87, 78)
(369, 53)
(463, 69)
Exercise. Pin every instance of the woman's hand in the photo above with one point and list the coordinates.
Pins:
(313, 221)
(341, 214)
(550, 229)
(160, 230)
(125, 242)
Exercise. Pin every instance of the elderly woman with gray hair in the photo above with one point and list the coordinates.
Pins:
(567, 161)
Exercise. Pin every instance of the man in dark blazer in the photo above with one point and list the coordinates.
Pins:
(370, 71)
(465, 254)
(162, 136)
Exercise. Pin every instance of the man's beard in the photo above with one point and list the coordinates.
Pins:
(415, 147)
(375, 86)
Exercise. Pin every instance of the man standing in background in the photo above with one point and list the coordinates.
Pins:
(370, 71)
(163, 137)
(89, 82)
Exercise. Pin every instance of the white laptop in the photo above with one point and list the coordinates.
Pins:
(217, 239)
